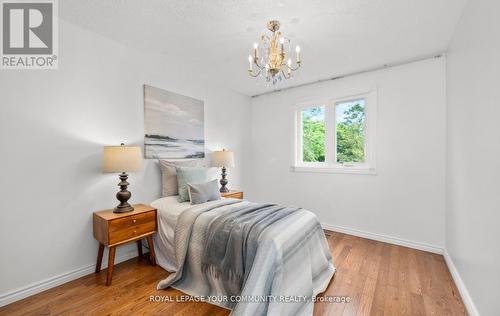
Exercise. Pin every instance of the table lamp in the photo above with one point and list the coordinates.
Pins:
(223, 159)
(122, 159)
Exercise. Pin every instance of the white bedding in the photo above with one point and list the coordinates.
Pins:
(169, 210)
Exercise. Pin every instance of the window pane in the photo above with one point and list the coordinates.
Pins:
(313, 134)
(350, 127)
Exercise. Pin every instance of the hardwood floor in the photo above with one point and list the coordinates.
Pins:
(379, 279)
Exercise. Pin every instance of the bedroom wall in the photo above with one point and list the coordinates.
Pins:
(473, 198)
(53, 125)
(405, 200)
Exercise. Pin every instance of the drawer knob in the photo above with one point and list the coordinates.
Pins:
(135, 232)
(134, 221)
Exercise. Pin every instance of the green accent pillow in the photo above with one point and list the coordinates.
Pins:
(187, 175)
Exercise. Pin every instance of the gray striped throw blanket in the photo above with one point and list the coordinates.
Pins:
(256, 259)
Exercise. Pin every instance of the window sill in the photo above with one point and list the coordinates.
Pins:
(331, 169)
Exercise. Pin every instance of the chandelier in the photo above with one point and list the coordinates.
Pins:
(272, 56)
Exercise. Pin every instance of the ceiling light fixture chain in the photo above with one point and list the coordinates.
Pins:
(272, 56)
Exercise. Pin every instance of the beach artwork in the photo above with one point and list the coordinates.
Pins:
(173, 125)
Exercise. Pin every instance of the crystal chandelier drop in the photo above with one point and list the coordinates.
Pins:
(272, 57)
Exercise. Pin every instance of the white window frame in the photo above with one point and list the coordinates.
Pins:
(331, 165)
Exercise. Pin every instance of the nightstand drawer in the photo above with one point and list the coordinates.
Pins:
(233, 195)
(131, 226)
(131, 221)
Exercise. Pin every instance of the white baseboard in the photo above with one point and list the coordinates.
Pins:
(46, 284)
(466, 298)
(384, 238)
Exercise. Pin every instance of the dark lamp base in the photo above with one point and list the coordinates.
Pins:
(223, 181)
(123, 195)
(123, 209)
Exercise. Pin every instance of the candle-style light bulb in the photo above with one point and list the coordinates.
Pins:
(282, 42)
(297, 50)
(289, 66)
(250, 64)
(255, 50)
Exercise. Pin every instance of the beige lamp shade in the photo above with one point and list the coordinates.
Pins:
(121, 159)
(222, 158)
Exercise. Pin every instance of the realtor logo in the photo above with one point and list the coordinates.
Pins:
(29, 34)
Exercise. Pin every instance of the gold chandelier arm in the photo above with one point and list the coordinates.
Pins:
(250, 72)
(292, 68)
(256, 62)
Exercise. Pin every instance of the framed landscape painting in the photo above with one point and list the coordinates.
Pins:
(174, 125)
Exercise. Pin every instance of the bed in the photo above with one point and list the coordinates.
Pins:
(289, 261)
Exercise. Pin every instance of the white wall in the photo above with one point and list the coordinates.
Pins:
(473, 191)
(53, 125)
(406, 199)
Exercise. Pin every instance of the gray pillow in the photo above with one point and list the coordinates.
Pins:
(169, 174)
(187, 175)
(203, 192)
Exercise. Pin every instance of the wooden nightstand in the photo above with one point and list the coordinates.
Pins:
(114, 229)
(234, 194)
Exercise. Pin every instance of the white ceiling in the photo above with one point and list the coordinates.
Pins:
(216, 36)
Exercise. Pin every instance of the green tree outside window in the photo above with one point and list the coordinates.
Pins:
(313, 134)
(350, 131)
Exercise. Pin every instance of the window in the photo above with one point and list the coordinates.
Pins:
(336, 135)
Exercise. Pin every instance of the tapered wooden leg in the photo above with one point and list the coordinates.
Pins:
(151, 250)
(111, 262)
(99, 258)
(139, 248)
